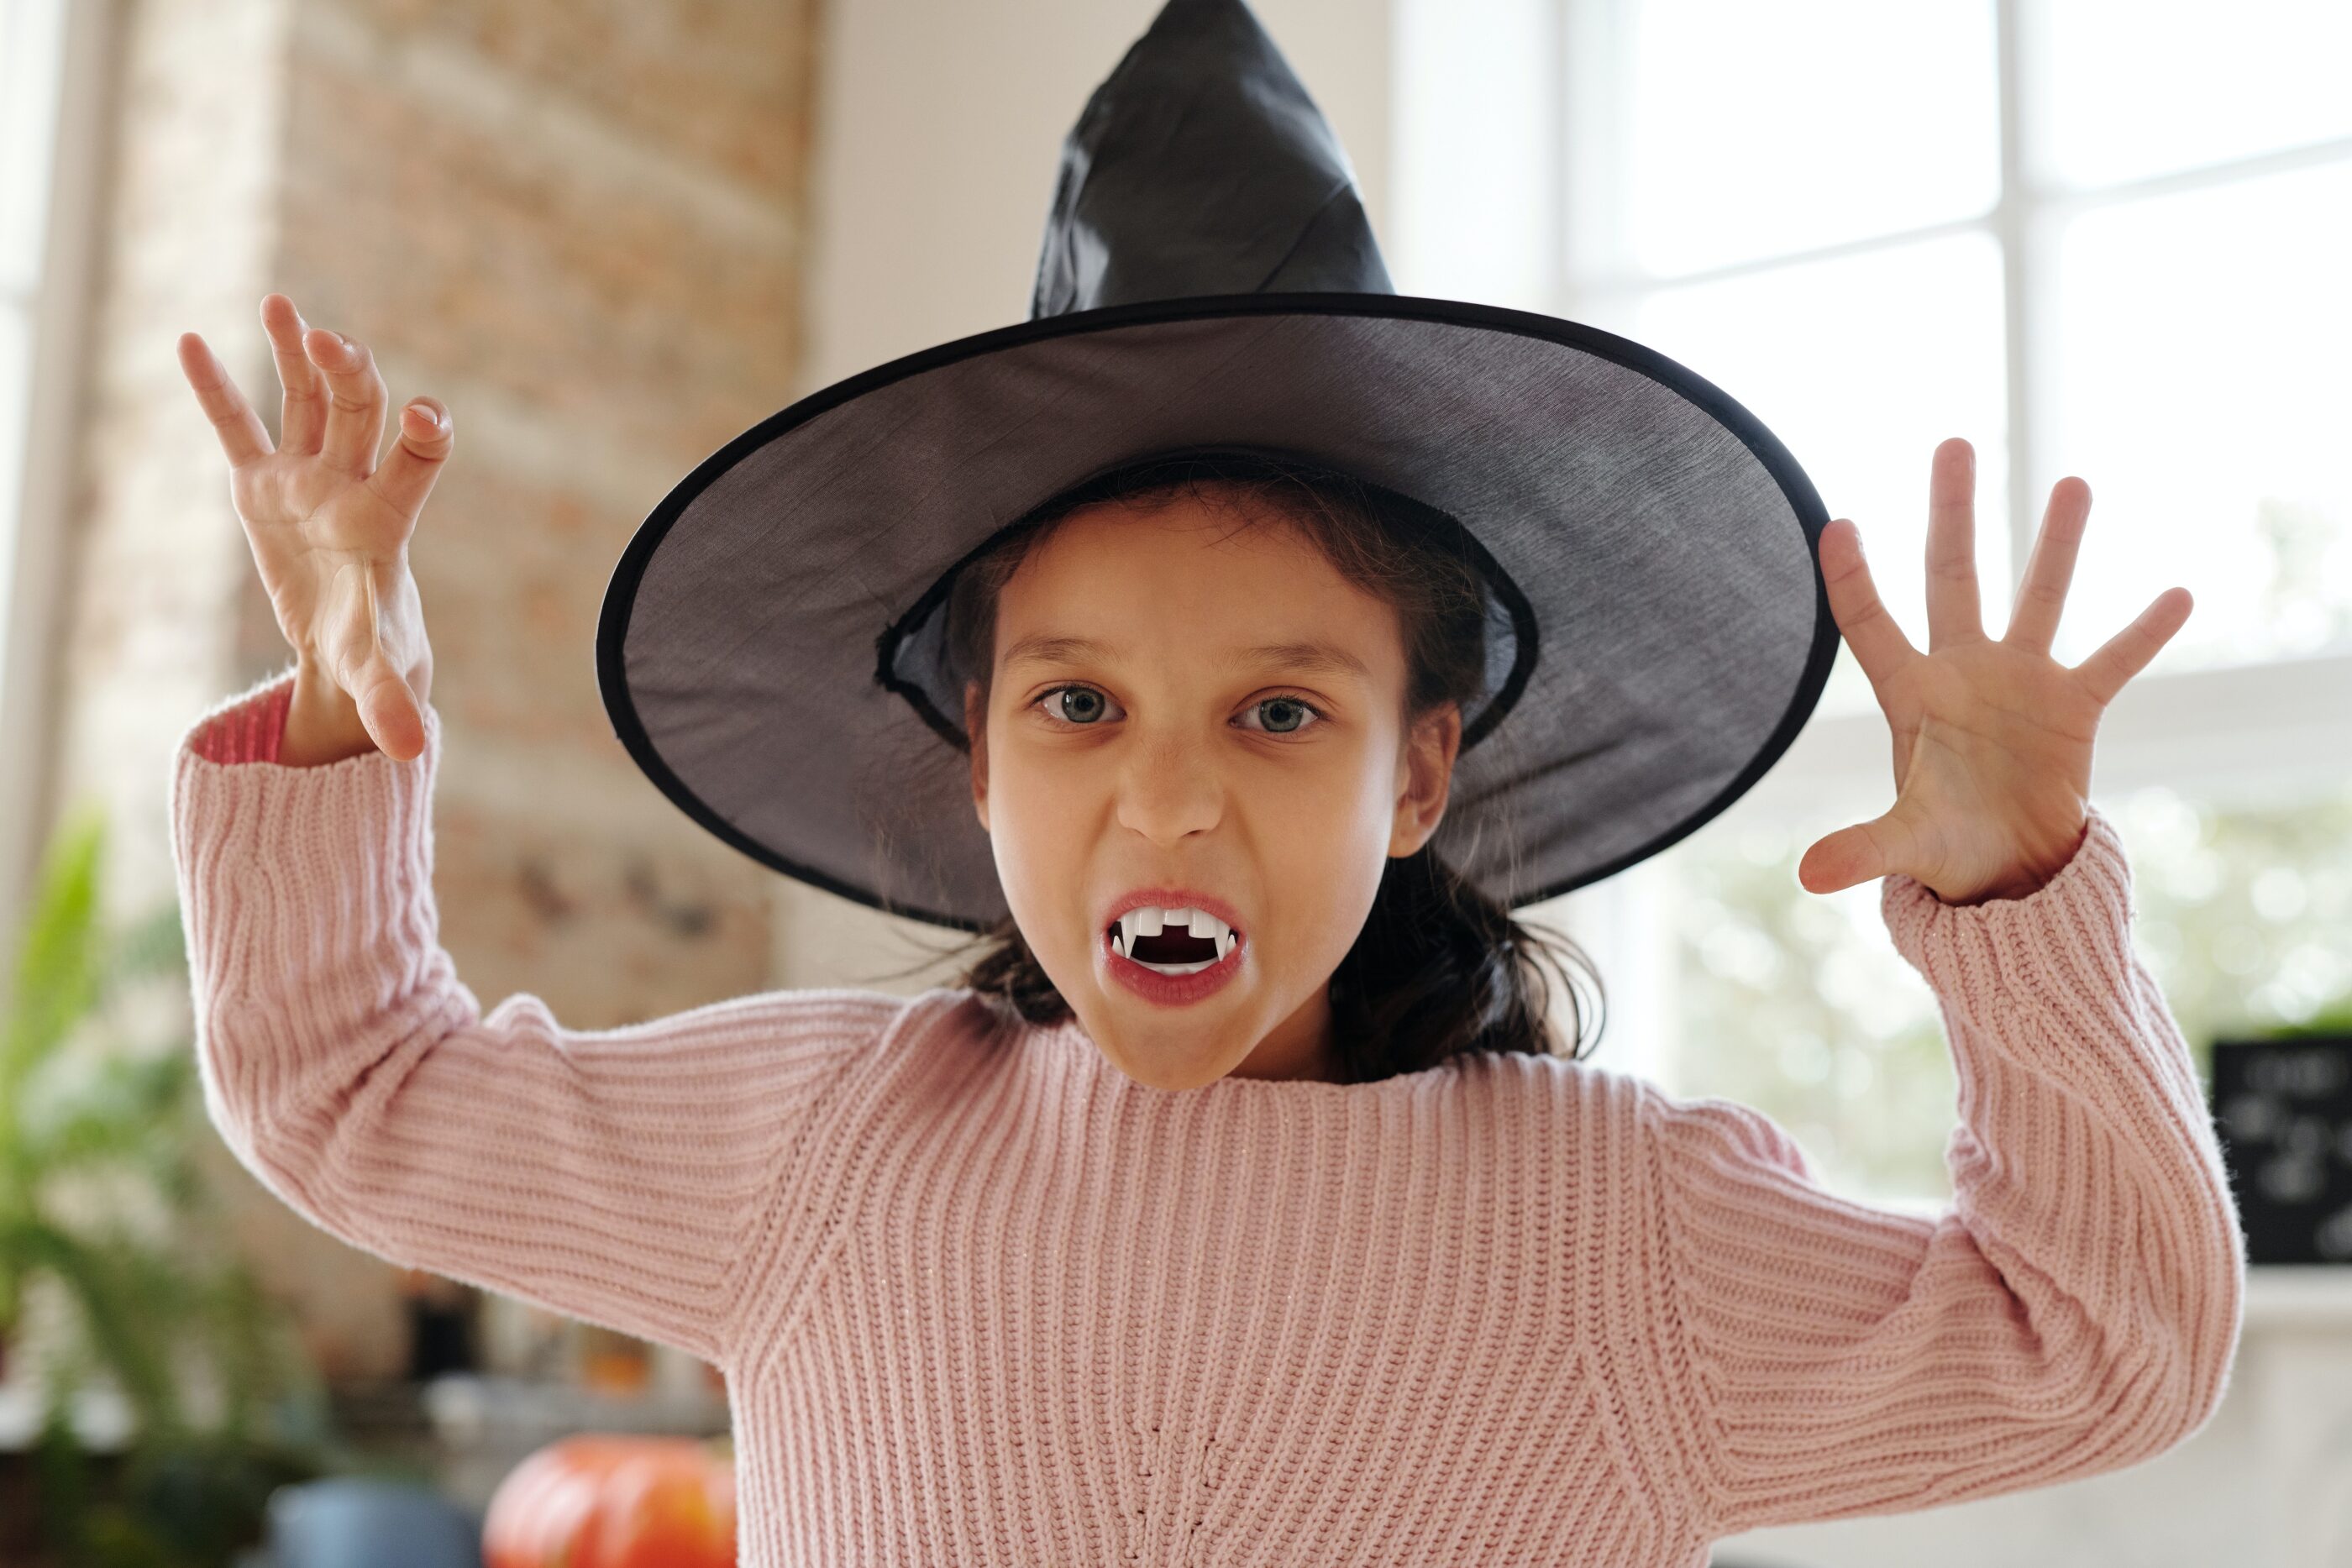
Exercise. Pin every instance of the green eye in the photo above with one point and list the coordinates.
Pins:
(1283, 715)
(1080, 705)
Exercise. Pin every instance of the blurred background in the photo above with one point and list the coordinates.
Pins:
(2094, 237)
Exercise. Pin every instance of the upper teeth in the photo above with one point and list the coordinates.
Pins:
(1151, 920)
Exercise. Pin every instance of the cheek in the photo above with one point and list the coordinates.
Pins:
(1037, 833)
(1323, 846)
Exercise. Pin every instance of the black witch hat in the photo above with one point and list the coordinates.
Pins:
(772, 646)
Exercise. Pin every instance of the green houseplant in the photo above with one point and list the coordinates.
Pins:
(94, 1131)
(2334, 1019)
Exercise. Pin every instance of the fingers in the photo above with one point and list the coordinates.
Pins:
(2034, 620)
(1878, 643)
(355, 401)
(388, 709)
(418, 454)
(304, 414)
(1952, 607)
(394, 717)
(1855, 854)
(242, 435)
(357, 662)
(2125, 653)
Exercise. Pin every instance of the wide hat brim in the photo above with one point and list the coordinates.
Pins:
(1654, 544)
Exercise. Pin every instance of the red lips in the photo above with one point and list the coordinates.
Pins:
(1171, 990)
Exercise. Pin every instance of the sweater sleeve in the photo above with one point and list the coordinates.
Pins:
(2074, 1309)
(626, 1177)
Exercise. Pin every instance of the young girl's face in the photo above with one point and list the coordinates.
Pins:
(1185, 712)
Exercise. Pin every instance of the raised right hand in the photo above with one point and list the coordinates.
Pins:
(328, 526)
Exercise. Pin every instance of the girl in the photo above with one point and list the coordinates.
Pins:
(1237, 1207)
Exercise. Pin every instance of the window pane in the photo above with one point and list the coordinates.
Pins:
(15, 369)
(1860, 365)
(2245, 908)
(1471, 183)
(1797, 1003)
(2202, 344)
(31, 33)
(2135, 87)
(1757, 129)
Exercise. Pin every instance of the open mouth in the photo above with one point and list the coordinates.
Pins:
(1178, 941)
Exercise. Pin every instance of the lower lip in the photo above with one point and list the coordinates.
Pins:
(1171, 990)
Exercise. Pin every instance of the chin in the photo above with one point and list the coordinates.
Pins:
(1164, 1050)
(1160, 1074)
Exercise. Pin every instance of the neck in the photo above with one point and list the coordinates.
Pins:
(1298, 1047)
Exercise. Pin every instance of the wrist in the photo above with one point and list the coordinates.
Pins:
(2031, 874)
(322, 723)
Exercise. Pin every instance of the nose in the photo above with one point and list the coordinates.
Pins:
(1168, 792)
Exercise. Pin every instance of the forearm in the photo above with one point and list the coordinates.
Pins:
(310, 913)
(2073, 1311)
(616, 1175)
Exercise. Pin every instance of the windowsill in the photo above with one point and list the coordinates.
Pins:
(2278, 1296)
(462, 1411)
(2299, 1296)
(100, 1417)
(470, 1409)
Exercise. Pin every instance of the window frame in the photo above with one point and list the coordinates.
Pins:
(2235, 732)
(34, 520)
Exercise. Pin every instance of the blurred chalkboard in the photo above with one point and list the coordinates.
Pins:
(2283, 1111)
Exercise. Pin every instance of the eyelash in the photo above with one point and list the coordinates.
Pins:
(1321, 716)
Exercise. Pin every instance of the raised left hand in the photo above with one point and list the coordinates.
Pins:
(1992, 739)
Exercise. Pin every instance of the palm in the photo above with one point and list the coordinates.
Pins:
(1992, 738)
(308, 522)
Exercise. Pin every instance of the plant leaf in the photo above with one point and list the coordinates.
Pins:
(57, 963)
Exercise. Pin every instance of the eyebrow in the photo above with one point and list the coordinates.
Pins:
(1313, 658)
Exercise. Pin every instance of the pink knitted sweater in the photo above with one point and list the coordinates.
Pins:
(981, 1298)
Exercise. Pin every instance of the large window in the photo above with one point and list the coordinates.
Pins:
(44, 44)
(2094, 237)
(31, 38)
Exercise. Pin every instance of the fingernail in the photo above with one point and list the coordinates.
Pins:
(425, 413)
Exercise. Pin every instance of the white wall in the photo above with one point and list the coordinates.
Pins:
(940, 129)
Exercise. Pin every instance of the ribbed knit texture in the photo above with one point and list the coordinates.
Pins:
(980, 1298)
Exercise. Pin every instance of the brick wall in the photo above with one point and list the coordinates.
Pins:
(580, 226)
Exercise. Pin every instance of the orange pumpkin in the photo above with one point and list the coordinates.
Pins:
(603, 1500)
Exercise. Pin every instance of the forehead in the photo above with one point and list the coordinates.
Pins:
(1230, 572)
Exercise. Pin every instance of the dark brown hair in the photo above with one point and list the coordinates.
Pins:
(1439, 969)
